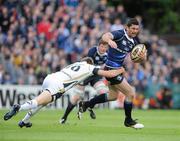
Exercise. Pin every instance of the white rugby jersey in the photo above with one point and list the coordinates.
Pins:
(74, 74)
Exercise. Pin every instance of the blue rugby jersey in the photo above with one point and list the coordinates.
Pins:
(125, 44)
(99, 59)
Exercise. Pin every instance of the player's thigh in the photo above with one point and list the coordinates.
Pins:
(44, 98)
(125, 88)
(52, 86)
(113, 93)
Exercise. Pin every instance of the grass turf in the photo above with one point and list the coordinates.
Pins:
(160, 125)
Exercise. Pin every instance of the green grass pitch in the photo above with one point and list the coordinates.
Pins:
(160, 125)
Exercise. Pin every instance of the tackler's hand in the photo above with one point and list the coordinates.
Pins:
(121, 70)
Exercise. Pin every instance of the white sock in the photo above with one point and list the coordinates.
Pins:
(29, 105)
(31, 113)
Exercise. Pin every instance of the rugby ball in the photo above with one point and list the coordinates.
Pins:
(136, 51)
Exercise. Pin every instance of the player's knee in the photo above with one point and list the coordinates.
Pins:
(44, 98)
(112, 96)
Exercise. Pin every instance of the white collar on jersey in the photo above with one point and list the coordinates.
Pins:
(130, 39)
(100, 54)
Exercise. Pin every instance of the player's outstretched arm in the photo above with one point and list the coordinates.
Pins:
(111, 73)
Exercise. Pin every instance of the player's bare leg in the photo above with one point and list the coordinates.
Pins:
(126, 89)
(129, 92)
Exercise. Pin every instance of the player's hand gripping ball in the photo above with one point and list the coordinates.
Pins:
(138, 53)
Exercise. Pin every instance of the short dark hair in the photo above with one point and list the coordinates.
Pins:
(132, 21)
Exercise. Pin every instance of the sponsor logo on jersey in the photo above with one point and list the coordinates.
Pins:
(122, 51)
(97, 58)
(130, 46)
(124, 42)
(119, 78)
(126, 49)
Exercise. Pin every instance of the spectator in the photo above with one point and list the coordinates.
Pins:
(164, 98)
(5, 19)
(1, 74)
(117, 25)
(121, 14)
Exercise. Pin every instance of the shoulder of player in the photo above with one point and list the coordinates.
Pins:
(118, 34)
(93, 49)
(121, 32)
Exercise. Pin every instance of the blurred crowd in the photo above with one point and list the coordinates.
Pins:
(38, 37)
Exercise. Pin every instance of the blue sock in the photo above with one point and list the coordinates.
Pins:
(68, 109)
(128, 109)
(102, 98)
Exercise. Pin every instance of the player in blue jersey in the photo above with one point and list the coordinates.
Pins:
(99, 57)
(121, 43)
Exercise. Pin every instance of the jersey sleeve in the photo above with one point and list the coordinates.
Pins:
(94, 69)
(91, 68)
(117, 34)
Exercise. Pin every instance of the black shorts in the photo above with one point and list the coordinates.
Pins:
(114, 80)
(92, 80)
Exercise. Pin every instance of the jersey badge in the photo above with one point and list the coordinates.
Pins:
(124, 42)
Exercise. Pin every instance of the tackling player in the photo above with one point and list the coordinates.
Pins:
(99, 57)
(121, 43)
(55, 84)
